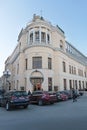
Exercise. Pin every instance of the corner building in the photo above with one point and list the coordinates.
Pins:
(43, 59)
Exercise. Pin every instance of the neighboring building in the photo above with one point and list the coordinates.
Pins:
(0, 83)
(43, 59)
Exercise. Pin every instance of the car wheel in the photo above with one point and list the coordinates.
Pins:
(26, 106)
(40, 102)
(51, 102)
(7, 106)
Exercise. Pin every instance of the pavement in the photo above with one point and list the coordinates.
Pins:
(66, 115)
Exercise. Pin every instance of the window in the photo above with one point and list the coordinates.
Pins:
(80, 72)
(37, 62)
(17, 84)
(79, 84)
(70, 69)
(74, 70)
(49, 63)
(86, 84)
(70, 84)
(49, 84)
(61, 44)
(37, 36)
(48, 38)
(83, 84)
(64, 81)
(26, 64)
(43, 37)
(85, 74)
(31, 37)
(76, 84)
(17, 68)
(64, 66)
(22, 89)
(25, 82)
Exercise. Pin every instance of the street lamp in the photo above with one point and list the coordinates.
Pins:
(7, 74)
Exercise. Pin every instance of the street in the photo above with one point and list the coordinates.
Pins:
(65, 115)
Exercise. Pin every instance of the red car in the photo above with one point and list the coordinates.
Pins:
(42, 97)
(61, 96)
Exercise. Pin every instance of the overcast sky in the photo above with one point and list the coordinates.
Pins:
(70, 15)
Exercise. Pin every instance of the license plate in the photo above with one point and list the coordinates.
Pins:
(21, 98)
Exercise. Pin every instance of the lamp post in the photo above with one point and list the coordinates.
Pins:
(7, 74)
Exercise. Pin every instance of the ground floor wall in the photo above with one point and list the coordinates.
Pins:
(63, 81)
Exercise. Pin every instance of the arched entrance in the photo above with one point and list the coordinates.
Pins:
(36, 79)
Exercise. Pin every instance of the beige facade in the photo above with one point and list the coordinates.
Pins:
(43, 59)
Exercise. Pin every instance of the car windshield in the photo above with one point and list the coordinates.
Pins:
(20, 93)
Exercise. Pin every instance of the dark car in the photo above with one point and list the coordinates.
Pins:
(15, 98)
(42, 97)
(1, 96)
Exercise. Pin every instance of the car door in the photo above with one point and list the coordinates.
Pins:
(35, 96)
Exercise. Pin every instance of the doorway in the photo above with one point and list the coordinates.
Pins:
(36, 82)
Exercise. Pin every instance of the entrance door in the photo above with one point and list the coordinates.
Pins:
(36, 82)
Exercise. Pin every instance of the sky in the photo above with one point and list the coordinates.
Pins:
(70, 15)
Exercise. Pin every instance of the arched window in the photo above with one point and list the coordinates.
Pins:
(31, 38)
(48, 38)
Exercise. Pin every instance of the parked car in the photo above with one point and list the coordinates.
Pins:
(15, 98)
(42, 97)
(53, 95)
(68, 93)
(1, 96)
(61, 96)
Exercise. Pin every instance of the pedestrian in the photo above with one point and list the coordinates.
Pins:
(74, 95)
(29, 93)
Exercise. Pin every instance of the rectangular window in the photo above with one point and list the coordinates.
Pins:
(76, 84)
(49, 84)
(31, 37)
(43, 37)
(25, 83)
(83, 85)
(17, 68)
(79, 84)
(26, 64)
(74, 70)
(64, 82)
(70, 69)
(17, 84)
(70, 84)
(49, 63)
(37, 62)
(64, 66)
(37, 36)
(80, 72)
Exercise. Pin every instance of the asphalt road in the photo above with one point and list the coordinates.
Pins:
(60, 116)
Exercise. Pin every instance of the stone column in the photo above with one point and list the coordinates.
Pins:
(40, 34)
(33, 36)
(46, 37)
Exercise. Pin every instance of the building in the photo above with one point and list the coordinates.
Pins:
(43, 59)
